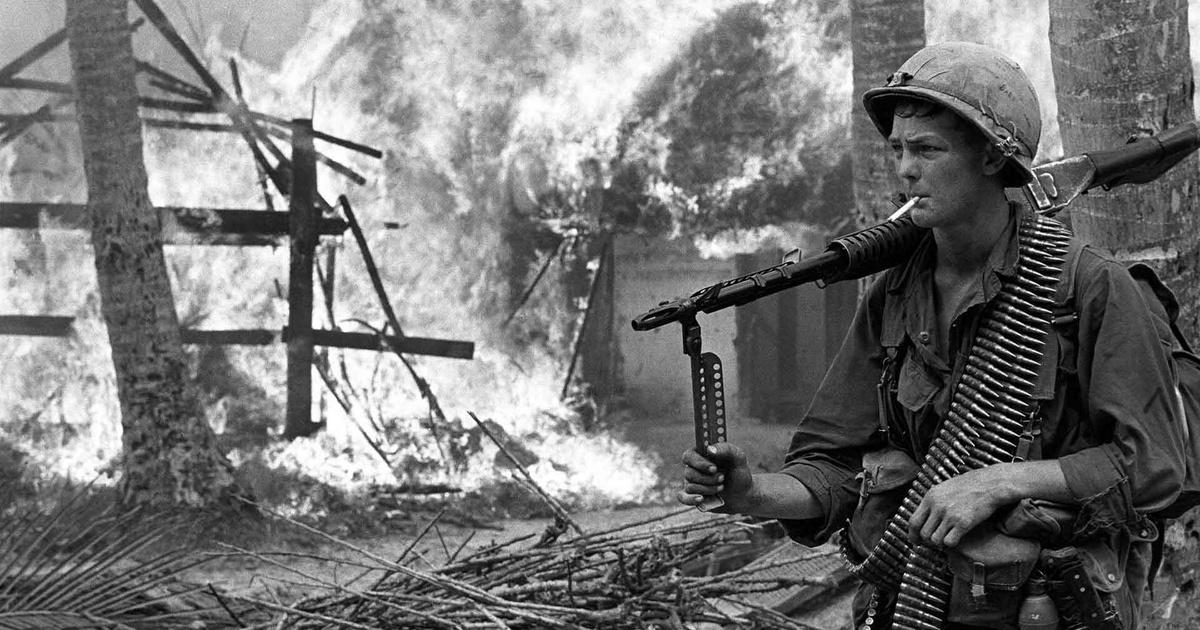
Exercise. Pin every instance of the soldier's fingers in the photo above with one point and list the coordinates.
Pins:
(954, 536)
(931, 526)
(697, 476)
(939, 535)
(917, 521)
(702, 489)
(724, 452)
(695, 460)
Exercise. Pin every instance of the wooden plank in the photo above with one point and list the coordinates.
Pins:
(181, 226)
(56, 87)
(249, 337)
(406, 345)
(14, 67)
(335, 339)
(221, 99)
(36, 325)
(60, 326)
(303, 245)
(187, 107)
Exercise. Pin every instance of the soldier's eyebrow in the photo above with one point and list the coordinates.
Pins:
(920, 136)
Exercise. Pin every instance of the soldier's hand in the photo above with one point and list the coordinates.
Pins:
(954, 507)
(722, 470)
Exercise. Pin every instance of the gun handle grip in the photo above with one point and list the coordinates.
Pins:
(711, 503)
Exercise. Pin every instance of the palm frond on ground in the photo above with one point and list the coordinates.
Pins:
(77, 561)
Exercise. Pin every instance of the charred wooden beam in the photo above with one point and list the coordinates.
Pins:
(249, 337)
(337, 167)
(35, 325)
(303, 245)
(263, 175)
(349, 144)
(250, 131)
(57, 87)
(188, 125)
(425, 346)
(33, 54)
(42, 114)
(177, 85)
(199, 226)
(16, 126)
(160, 21)
(187, 107)
(60, 326)
(171, 88)
(282, 124)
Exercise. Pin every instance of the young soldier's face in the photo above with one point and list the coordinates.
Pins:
(940, 159)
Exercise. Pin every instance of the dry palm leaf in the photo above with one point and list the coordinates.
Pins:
(78, 562)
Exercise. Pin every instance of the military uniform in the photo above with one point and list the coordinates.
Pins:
(1104, 394)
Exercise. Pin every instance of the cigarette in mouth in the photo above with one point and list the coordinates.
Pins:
(905, 208)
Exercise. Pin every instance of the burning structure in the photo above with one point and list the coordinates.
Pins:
(477, 156)
(515, 141)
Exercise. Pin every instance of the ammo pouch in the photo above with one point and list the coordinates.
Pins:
(988, 570)
(886, 475)
(1085, 583)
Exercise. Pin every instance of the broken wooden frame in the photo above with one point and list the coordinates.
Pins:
(308, 218)
(60, 326)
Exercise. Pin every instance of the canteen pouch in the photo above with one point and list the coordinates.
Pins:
(1050, 523)
(988, 570)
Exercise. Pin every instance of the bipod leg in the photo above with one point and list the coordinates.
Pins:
(708, 397)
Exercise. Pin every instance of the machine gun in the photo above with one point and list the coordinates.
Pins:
(874, 249)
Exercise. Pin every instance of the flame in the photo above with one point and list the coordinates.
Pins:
(451, 93)
(455, 94)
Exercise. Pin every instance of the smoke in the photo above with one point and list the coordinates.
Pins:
(450, 93)
(482, 110)
(1017, 29)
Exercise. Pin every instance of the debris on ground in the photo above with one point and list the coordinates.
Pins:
(646, 574)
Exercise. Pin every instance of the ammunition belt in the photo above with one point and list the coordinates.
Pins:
(988, 422)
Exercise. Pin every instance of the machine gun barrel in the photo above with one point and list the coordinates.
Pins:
(879, 247)
(846, 258)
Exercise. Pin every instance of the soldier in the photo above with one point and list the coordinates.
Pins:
(1002, 495)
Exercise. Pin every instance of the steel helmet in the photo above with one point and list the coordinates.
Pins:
(979, 84)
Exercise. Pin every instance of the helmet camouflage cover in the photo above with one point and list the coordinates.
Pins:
(982, 86)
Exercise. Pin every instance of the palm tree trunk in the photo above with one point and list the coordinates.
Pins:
(1122, 68)
(883, 33)
(170, 454)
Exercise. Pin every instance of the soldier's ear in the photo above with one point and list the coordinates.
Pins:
(993, 160)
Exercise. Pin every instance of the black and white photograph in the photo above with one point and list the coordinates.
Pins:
(599, 314)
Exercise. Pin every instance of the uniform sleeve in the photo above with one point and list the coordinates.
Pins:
(1136, 463)
(826, 448)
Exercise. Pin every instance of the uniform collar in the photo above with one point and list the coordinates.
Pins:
(1002, 261)
(911, 310)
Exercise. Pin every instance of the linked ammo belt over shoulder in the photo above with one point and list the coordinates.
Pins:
(988, 422)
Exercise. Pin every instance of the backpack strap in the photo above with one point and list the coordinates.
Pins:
(1066, 316)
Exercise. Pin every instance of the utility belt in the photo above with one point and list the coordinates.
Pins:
(990, 570)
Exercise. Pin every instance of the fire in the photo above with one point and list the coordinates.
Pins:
(450, 94)
(461, 98)
(457, 96)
